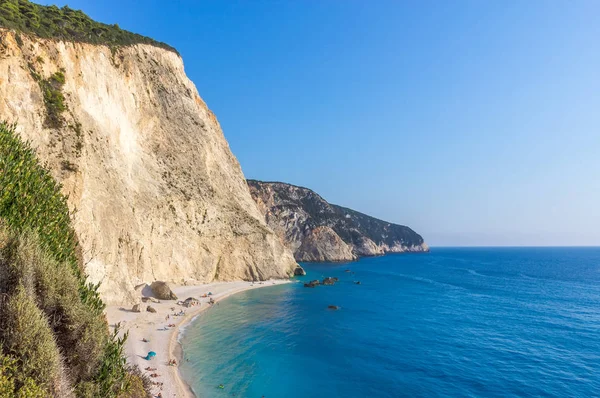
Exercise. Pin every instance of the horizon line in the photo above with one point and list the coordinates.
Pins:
(512, 246)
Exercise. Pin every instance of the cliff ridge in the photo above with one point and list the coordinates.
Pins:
(316, 230)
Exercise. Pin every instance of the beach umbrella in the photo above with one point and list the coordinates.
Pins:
(151, 354)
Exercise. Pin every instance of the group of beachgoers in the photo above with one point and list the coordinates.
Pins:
(171, 362)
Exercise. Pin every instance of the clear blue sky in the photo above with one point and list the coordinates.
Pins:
(474, 122)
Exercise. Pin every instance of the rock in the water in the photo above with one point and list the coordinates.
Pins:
(329, 281)
(162, 291)
(151, 309)
(312, 283)
(137, 308)
(357, 282)
(333, 307)
(299, 271)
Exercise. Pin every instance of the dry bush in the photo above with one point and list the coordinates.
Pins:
(26, 336)
(81, 335)
(140, 384)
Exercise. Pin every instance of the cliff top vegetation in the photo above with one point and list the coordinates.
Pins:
(67, 24)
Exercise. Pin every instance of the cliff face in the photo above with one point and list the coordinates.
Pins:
(319, 231)
(155, 191)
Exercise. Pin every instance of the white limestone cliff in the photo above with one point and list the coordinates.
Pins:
(155, 191)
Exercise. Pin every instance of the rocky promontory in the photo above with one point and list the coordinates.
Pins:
(318, 231)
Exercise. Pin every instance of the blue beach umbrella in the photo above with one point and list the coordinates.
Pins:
(151, 354)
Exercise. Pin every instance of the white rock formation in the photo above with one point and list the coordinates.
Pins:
(155, 190)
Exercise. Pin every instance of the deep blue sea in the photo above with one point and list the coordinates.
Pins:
(476, 322)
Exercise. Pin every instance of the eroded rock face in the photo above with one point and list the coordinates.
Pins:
(156, 193)
(316, 230)
(323, 244)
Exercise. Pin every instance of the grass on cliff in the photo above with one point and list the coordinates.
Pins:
(53, 334)
(66, 24)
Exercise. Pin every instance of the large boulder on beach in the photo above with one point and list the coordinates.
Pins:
(137, 308)
(151, 309)
(162, 291)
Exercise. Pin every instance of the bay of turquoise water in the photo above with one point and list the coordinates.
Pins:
(476, 322)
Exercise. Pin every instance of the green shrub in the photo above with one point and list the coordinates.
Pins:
(54, 99)
(9, 371)
(67, 24)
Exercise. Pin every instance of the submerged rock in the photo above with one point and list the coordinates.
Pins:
(333, 307)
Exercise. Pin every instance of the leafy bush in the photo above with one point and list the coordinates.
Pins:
(67, 24)
(9, 372)
(54, 100)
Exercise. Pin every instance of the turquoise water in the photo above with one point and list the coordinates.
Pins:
(455, 322)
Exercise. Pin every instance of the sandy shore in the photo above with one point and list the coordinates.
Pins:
(163, 339)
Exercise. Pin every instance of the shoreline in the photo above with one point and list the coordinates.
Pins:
(164, 340)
